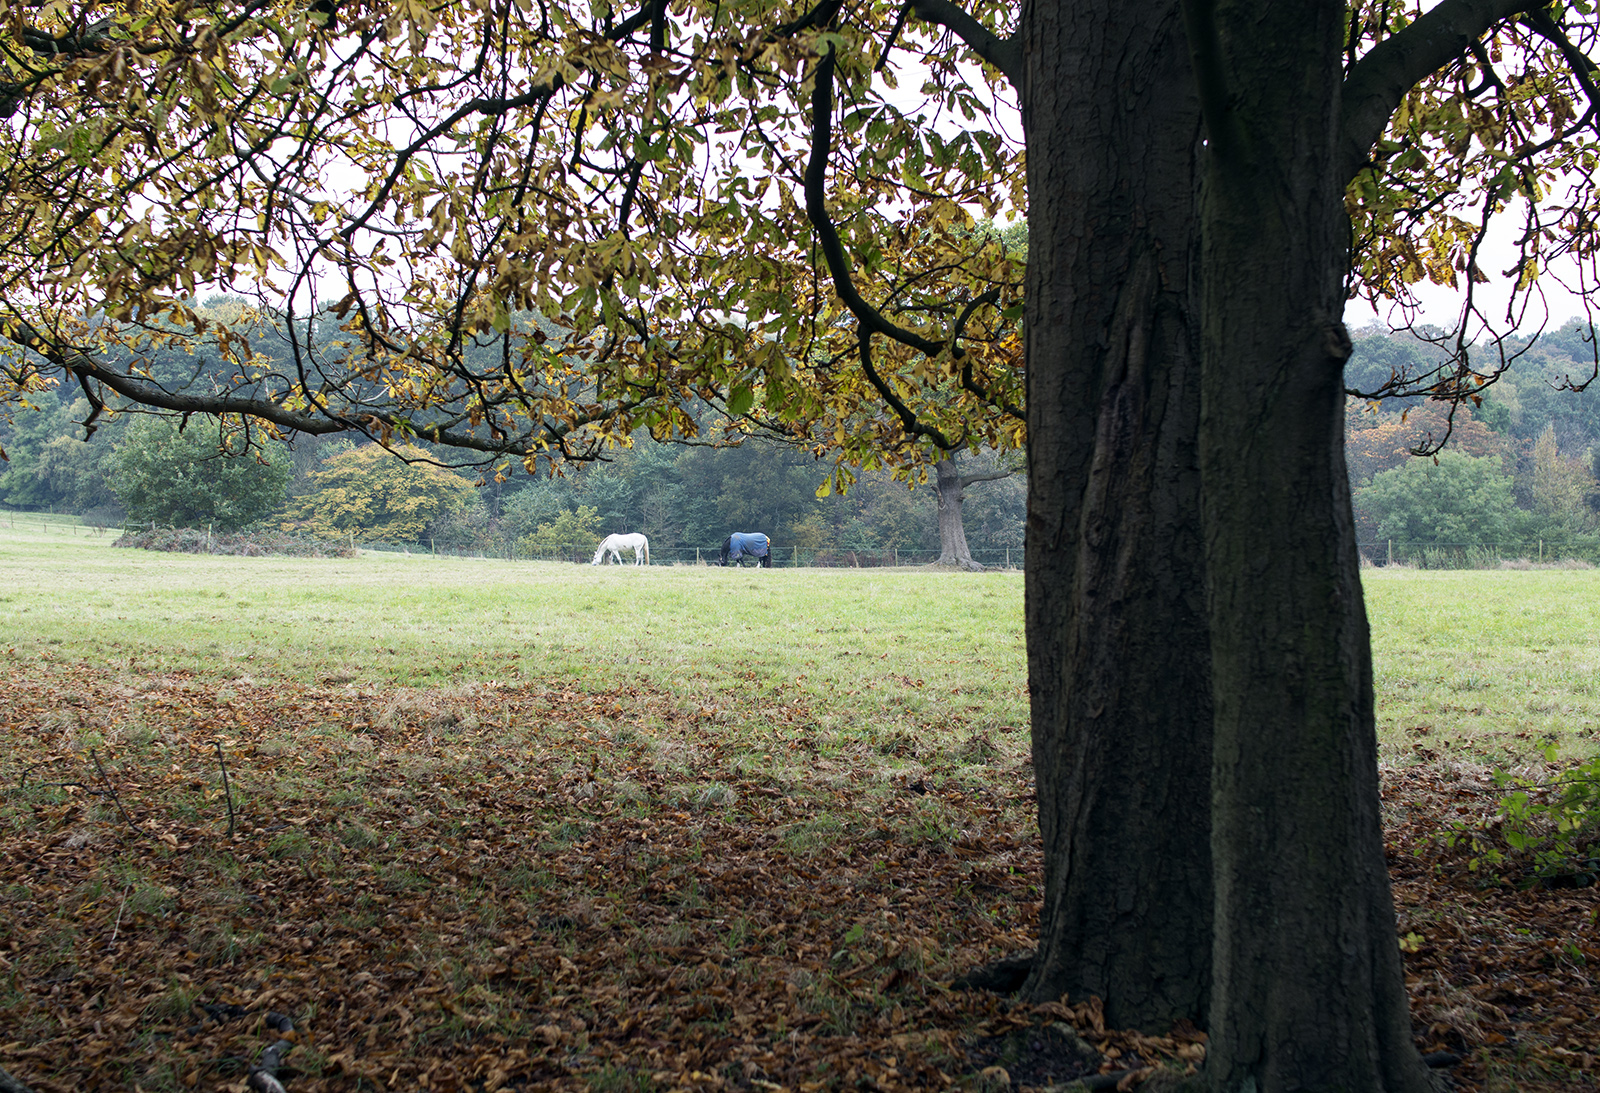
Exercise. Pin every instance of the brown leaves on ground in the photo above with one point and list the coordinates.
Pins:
(536, 887)
(1498, 972)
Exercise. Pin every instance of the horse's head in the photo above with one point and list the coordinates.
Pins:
(727, 545)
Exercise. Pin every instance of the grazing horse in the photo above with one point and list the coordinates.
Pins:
(743, 544)
(614, 545)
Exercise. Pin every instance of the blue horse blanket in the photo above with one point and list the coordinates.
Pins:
(751, 543)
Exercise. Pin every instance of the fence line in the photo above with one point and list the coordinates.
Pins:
(1479, 555)
(783, 556)
(51, 523)
(790, 556)
(1379, 552)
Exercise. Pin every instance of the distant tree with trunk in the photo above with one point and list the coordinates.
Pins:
(214, 472)
(951, 485)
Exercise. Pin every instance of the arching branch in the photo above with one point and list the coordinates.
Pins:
(1379, 81)
(1004, 54)
(321, 419)
(870, 318)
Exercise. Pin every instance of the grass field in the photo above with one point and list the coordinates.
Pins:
(1475, 665)
(873, 650)
(1486, 664)
(512, 825)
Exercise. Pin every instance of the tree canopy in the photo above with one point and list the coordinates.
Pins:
(512, 233)
(212, 472)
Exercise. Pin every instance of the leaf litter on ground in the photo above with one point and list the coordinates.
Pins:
(538, 886)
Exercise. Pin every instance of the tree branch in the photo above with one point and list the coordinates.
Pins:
(1379, 81)
(321, 420)
(987, 476)
(907, 416)
(828, 240)
(1004, 54)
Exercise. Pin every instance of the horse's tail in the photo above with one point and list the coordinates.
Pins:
(644, 550)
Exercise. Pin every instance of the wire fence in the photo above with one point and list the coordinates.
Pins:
(1573, 550)
(53, 523)
(783, 556)
(1570, 550)
(790, 556)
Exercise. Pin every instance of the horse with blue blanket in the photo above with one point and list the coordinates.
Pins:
(747, 544)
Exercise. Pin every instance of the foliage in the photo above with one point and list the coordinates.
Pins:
(366, 491)
(1491, 130)
(571, 527)
(1550, 827)
(25, 436)
(605, 237)
(215, 471)
(77, 473)
(49, 463)
(1561, 485)
(1379, 439)
(1451, 500)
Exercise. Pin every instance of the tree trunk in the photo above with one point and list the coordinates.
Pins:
(952, 490)
(1309, 992)
(1118, 654)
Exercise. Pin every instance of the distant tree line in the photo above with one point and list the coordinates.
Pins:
(141, 469)
(1519, 473)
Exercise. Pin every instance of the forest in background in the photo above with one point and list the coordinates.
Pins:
(1519, 477)
(136, 468)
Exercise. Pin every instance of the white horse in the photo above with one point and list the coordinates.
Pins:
(614, 545)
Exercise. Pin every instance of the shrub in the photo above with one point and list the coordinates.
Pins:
(571, 527)
(1550, 829)
(216, 472)
(378, 494)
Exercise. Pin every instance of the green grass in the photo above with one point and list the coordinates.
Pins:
(914, 646)
(1486, 665)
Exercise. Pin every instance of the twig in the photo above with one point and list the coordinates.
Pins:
(85, 786)
(8, 1084)
(263, 1076)
(118, 925)
(113, 791)
(227, 791)
(22, 783)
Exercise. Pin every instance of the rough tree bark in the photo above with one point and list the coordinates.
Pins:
(1227, 868)
(951, 486)
(1309, 991)
(1118, 654)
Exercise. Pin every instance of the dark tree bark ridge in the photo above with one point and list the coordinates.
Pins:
(1118, 654)
(1308, 986)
